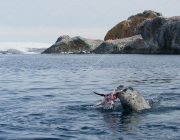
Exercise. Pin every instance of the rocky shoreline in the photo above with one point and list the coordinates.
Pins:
(145, 33)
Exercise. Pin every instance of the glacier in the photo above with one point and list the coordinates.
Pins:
(23, 47)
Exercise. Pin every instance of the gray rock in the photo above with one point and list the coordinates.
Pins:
(135, 47)
(73, 45)
(161, 35)
(62, 38)
(134, 44)
(168, 36)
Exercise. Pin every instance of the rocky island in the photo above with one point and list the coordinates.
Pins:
(144, 33)
(66, 44)
(127, 28)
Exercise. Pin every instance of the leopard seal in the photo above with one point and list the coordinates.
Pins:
(129, 97)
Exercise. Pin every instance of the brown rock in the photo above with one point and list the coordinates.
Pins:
(127, 28)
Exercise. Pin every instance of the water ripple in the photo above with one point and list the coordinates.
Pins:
(51, 97)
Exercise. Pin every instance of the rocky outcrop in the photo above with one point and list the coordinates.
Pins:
(62, 38)
(156, 35)
(130, 45)
(65, 44)
(127, 28)
(161, 34)
(77, 45)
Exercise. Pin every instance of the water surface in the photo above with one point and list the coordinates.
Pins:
(51, 97)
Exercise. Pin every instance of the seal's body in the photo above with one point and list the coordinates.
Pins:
(130, 99)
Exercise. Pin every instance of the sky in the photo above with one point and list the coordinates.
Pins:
(44, 21)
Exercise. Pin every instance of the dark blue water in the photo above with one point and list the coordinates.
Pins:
(51, 97)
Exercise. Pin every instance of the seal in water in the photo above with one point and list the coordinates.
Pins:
(130, 99)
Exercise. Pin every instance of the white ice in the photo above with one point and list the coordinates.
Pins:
(24, 47)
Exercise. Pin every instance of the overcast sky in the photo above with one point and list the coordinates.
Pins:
(45, 20)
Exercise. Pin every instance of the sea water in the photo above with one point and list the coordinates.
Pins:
(51, 97)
